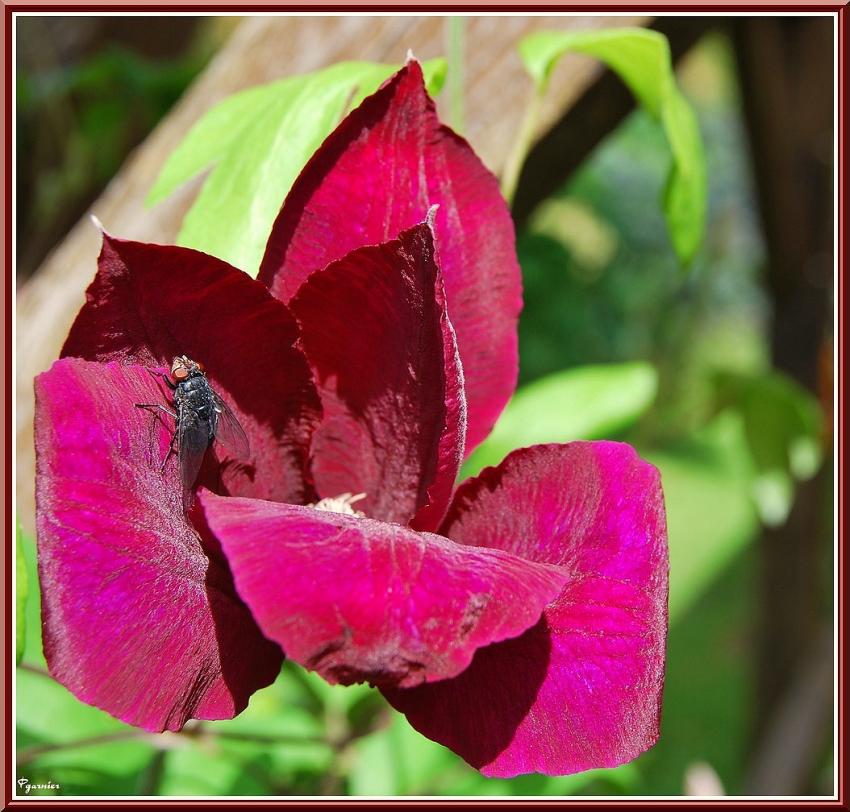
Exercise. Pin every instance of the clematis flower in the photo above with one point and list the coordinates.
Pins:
(520, 620)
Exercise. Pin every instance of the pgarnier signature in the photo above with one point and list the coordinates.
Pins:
(25, 786)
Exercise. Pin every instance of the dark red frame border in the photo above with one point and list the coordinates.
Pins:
(838, 7)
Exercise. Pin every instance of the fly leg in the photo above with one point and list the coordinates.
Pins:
(163, 377)
(170, 452)
(155, 406)
(160, 407)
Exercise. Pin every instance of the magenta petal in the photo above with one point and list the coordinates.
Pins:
(361, 600)
(582, 689)
(377, 174)
(137, 619)
(149, 303)
(374, 329)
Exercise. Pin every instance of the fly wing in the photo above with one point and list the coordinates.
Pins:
(228, 430)
(193, 437)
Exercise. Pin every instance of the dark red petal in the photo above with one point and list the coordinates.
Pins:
(360, 600)
(137, 619)
(451, 445)
(377, 174)
(149, 303)
(582, 689)
(374, 329)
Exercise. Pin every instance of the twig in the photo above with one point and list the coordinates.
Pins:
(783, 760)
(259, 738)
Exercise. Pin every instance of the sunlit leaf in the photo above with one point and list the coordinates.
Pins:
(409, 763)
(50, 713)
(373, 771)
(710, 516)
(256, 142)
(641, 59)
(32, 612)
(207, 767)
(584, 403)
(21, 592)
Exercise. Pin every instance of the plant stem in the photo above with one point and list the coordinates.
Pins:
(32, 753)
(522, 144)
(455, 77)
(164, 741)
(259, 738)
(34, 669)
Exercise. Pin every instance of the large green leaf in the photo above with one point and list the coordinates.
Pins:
(256, 142)
(584, 403)
(707, 713)
(397, 760)
(710, 516)
(21, 592)
(641, 59)
(49, 716)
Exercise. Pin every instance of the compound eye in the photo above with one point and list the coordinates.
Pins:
(180, 373)
(200, 366)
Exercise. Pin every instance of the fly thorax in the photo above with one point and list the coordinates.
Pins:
(197, 396)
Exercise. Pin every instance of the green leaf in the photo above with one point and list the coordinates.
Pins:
(256, 142)
(708, 684)
(49, 712)
(584, 403)
(641, 59)
(33, 653)
(373, 770)
(710, 515)
(434, 72)
(214, 768)
(288, 751)
(50, 718)
(21, 592)
(783, 425)
(637, 56)
(400, 761)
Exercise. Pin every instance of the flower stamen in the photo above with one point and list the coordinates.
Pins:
(340, 504)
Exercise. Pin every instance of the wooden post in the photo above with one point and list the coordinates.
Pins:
(786, 70)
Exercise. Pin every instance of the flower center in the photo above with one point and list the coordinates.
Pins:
(340, 504)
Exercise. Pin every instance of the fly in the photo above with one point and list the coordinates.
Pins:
(200, 416)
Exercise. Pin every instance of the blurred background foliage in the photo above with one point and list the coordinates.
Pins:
(88, 90)
(615, 342)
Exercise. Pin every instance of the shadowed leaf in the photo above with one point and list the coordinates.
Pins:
(642, 60)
